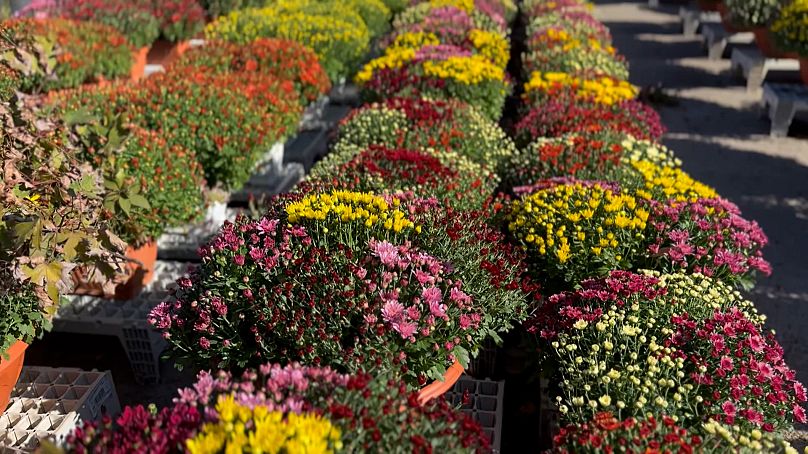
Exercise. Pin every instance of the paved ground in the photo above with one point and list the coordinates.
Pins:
(717, 130)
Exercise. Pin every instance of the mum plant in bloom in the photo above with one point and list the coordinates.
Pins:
(442, 71)
(445, 175)
(460, 13)
(650, 181)
(52, 54)
(556, 117)
(575, 155)
(754, 13)
(380, 301)
(150, 185)
(134, 19)
(579, 24)
(534, 8)
(706, 236)
(789, 28)
(229, 119)
(180, 20)
(419, 123)
(632, 343)
(490, 45)
(556, 50)
(333, 30)
(350, 413)
(281, 58)
(572, 230)
(648, 150)
(591, 89)
(663, 434)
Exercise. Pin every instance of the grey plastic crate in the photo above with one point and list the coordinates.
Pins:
(48, 403)
(485, 405)
(125, 320)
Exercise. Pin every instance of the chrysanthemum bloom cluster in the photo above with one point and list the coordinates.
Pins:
(229, 119)
(534, 8)
(443, 50)
(449, 12)
(789, 27)
(636, 149)
(438, 71)
(448, 176)
(650, 434)
(381, 300)
(662, 183)
(244, 429)
(492, 46)
(284, 59)
(559, 116)
(558, 50)
(595, 89)
(707, 236)
(415, 124)
(678, 345)
(297, 407)
(580, 24)
(577, 230)
(575, 155)
(334, 30)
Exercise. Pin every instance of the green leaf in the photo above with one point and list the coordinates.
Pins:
(125, 205)
(78, 117)
(139, 201)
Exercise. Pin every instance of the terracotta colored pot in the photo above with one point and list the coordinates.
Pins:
(139, 63)
(804, 69)
(140, 273)
(164, 52)
(765, 42)
(10, 371)
(137, 275)
(707, 5)
(439, 387)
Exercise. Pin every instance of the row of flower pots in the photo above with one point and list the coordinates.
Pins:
(382, 261)
(778, 27)
(646, 339)
(171, 140)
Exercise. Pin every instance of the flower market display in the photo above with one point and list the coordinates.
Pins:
(649, 342)
(292, 408)
(334, 316)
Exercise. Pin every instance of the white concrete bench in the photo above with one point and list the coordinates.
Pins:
(715, 39)
(783, 101)
(753, 66)
(693, 18)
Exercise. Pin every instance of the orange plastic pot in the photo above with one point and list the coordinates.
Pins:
(140, 272)
(439, 387)
(10, 371)
(767, 46)
(139, 58)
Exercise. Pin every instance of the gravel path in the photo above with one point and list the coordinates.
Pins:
(716, 128)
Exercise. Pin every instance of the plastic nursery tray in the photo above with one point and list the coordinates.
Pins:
(47, 403)
(125, 320)
(485, 405)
